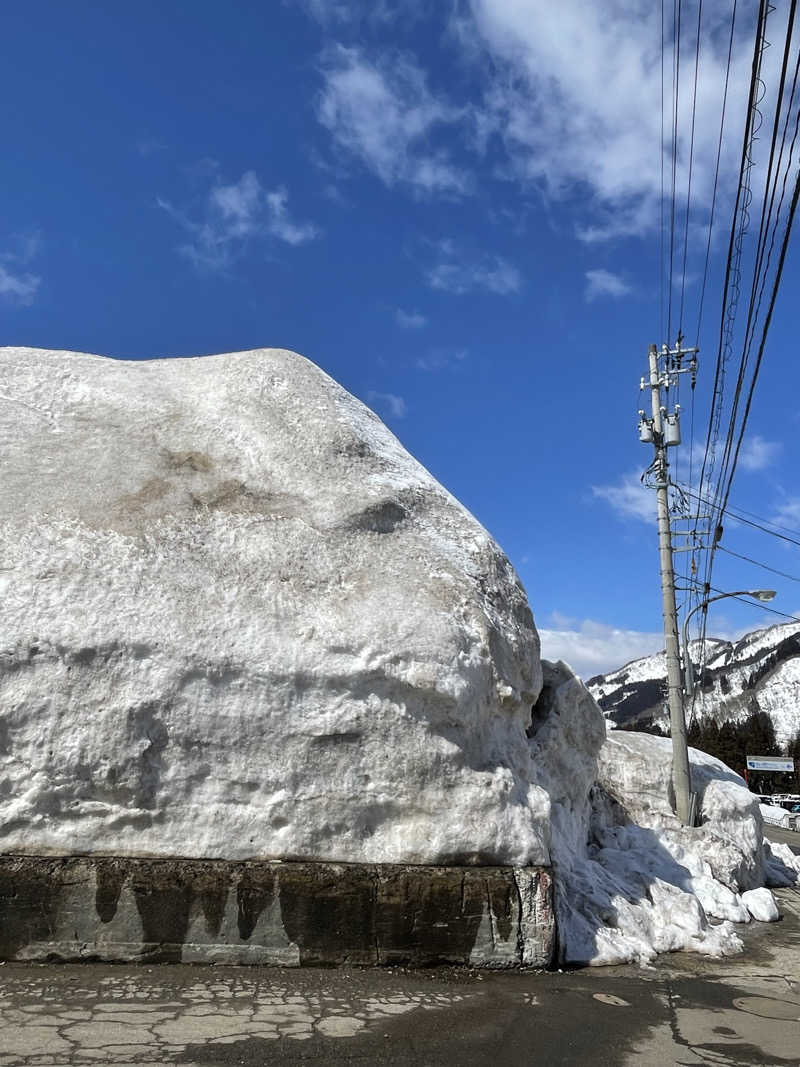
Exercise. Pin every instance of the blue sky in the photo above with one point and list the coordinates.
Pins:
(456, 214)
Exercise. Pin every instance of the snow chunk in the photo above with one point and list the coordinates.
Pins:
(627, 887)
(642, 883)
(781, 865)
(761, 905)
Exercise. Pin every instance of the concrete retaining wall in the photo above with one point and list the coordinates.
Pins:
(289, 914)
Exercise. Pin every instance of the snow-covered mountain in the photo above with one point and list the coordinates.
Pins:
(759, 672)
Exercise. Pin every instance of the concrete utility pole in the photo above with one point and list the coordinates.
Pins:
(663, 430)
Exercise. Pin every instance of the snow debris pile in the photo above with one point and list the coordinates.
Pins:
(240, 621)
(630, 880)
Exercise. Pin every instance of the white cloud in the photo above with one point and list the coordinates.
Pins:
(281, 226)
(410, 320)
(757, 454)
(630, 499)
(441, 358)
(392, 405)
(576, 100)
(456, 273)
(329, 12)
(591, 647)
(384, 114)
(233, 215)
(788, 514)
(18, 285)
(148, 146)
(603, 283)
(565, 99)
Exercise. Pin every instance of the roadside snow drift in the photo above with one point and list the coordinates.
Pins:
(240, 621)
(630, 880)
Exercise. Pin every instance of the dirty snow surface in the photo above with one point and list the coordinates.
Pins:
(240, 621)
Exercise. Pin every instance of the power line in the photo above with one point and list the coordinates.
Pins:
(753, 311)
(756, 563)
(676, 71)
(731, 293)
(758, 605)
(662, 242)
(710, 445)
(736, 511)
(691, 161)
(735, 514)
(716, 174)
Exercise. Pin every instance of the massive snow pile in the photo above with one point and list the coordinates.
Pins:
(241, 621)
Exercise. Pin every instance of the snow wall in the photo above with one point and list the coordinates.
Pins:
(241, 624)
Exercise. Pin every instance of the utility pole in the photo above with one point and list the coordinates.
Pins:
(663, 431)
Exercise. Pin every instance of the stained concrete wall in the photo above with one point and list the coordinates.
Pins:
(287, 914)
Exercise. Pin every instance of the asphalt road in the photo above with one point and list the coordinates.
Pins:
(788, 837)
(686, 1010)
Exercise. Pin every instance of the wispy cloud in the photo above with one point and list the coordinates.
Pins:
(20, 288)
(456, 272)
(561, 132)
(389, 403)
(18, 285)
(630, 499)
(328, 11)
(410, 320)
(280, 225)
(788, 513)
(231, 216)
(603, 283)
(343, 12)
(592, 647)
(757, 454)
(148, 146)
(441, 358)
(383, 113)
(543, 99)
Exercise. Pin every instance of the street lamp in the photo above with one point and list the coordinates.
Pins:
(757, 594)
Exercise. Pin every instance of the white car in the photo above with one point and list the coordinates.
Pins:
(776, 816)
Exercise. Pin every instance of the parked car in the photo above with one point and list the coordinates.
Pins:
(776, 816)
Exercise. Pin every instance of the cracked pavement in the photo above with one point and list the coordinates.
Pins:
(686, 1010)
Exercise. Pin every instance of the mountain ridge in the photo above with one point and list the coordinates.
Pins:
(758, 672)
